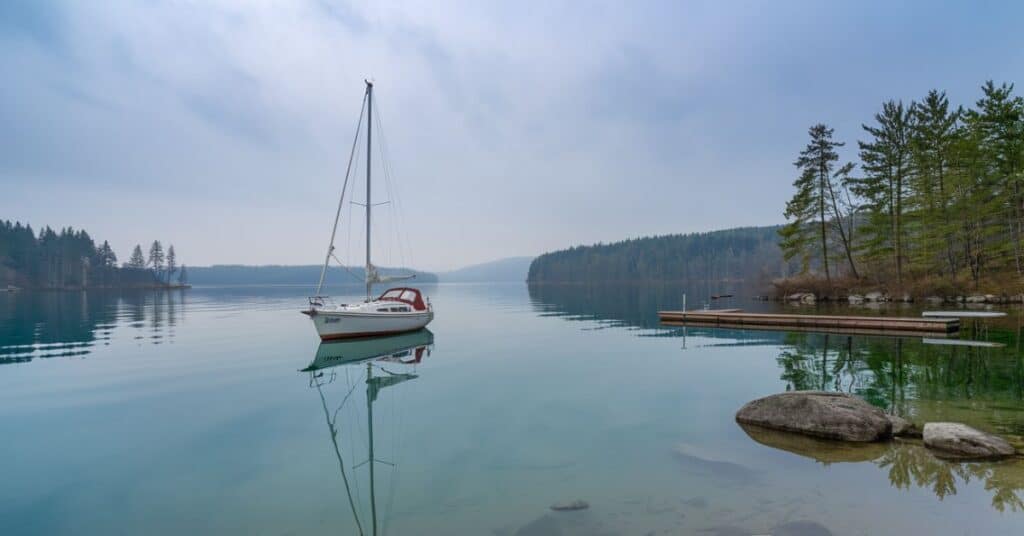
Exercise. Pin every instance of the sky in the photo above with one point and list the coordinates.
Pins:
(511, 128)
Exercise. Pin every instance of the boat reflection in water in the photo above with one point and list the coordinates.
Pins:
(380, 362)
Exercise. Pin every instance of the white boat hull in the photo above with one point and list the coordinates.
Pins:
(341, 324)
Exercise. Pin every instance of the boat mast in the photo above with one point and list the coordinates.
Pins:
(369, 201)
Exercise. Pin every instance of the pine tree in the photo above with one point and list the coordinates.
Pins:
(815, 205)
(183, 275)
(172, 264)
(977, 211)
(106, 256)
(137, 261)
(999, 123)
(935, 133)
(886, 163)
(156, 258)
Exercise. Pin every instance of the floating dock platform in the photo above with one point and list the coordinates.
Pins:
(963, 314)
(831, 323)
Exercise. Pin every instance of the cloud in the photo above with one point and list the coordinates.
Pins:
(224, 127)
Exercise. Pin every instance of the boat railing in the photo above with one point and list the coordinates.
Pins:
(318, 301)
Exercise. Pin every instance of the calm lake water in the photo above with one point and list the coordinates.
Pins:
(216, 410)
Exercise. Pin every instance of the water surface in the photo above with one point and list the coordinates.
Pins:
(217, 411)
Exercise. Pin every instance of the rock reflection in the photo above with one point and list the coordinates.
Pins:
(907, 464)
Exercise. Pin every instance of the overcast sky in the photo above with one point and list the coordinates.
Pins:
(512, 128)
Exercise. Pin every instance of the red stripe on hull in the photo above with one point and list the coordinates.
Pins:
(365, 334)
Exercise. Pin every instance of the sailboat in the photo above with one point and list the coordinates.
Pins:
(397, 310)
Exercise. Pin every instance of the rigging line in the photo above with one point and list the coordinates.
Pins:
(386, 162)
(346, 268)
(351, 214)
(341, 200)
(387, 187)
(350, 391)
(352, 436)
(341, 463)
(403, 246)
(395, 440)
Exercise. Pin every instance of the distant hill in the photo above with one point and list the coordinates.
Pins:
(512, 269)
(237, 274)
(742, 254)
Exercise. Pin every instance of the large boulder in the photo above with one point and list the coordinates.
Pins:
(819, 414)
(959, 441)
(855, 299)
(977, 298)
(876, 296)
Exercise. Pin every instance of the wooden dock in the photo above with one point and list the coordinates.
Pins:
(833, 323)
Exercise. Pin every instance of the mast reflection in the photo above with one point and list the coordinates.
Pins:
(383, 362)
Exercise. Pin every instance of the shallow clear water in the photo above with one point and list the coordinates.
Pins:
(191, 412)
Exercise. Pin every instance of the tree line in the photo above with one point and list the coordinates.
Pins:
(71, 259)
(937, 196)
(742, 254)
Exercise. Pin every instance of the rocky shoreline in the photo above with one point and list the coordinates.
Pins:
(879, 296)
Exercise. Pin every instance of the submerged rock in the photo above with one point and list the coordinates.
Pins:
(818, 413)
(695, 461)
(903, 428)
(567, 506)
(793, 528)
(726, 530)
(959, 441)
(800, 528)
(573, 523)
(696, 502)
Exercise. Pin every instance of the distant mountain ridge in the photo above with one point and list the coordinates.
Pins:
(749, 254)
(510, 269)
(238, 274)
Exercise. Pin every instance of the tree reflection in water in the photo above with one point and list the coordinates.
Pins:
(912, 465)
(912, 378)
(908, 464)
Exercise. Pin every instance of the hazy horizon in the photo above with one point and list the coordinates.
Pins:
(224, 127)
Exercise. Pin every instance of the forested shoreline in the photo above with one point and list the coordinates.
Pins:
(935, 205)
(70, 259)
(743, 254)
